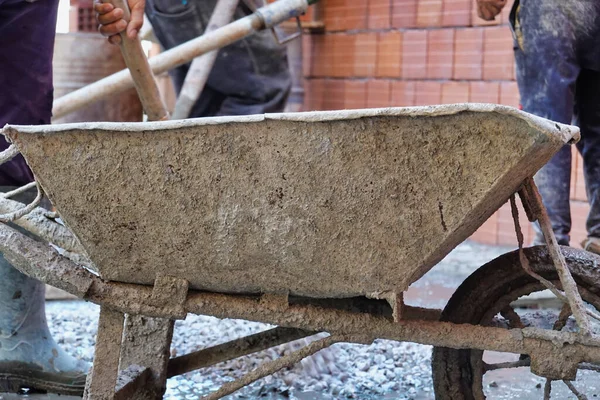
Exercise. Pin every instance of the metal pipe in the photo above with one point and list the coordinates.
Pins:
(234, 349)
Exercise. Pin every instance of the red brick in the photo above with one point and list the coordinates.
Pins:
(334, 94)
(506, 226)
(355, 94)
(509, 94)
(440, 53)
(307, 100)
(378, 93)
(343, 55)
(403, 94)
(307, 50)
(468, 54)
(315, 95)
(579, 213)
(456, 13)
(356, 14)
(343, 15)
(484, 92)
(429, 13)
(365, 54)
(476, 21)
(389, 54)
(498, 55)
(379, 14)
(404, 13)
(428, 93)
(319, 55)
(414, 54)
(455, 92)
(334, 15)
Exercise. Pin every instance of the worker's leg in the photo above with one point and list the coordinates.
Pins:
(588, 118)
(29, 357)
(249, 77)
(546, 74)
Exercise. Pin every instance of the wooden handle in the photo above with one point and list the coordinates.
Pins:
(142, 75)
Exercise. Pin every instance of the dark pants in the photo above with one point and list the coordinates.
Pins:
(27, 33)
(557, 50)
(249, 77)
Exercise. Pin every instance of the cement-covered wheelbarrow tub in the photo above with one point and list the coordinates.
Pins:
(318, 221)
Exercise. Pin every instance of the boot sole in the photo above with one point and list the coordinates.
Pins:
(14, 383)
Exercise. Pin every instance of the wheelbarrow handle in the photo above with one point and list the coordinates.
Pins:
(138, 66)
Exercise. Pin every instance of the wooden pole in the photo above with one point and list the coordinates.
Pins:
(198, 73)
(140, 71)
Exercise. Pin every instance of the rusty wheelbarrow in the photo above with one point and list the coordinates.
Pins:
(314, 222)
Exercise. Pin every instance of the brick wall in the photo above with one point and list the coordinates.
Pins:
(381, 53)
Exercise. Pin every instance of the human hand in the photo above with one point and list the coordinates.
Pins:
(112, 23)
(488, 9)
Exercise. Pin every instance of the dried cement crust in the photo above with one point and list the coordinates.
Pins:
(320, 204)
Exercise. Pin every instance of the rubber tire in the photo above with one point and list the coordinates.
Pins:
(452, 374)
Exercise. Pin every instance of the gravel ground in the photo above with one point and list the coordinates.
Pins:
(382, 370)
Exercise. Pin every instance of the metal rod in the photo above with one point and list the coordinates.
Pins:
(234, 349)
(269, 368)
(102, 381)
(201, 67)
(8, 154)
(568, 283)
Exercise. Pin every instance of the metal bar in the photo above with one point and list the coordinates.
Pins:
(197, 75)
(102, 381)
(131, 382)
(234, 349)
(446, 334)
(269, 368)
(147, 343)
(8, 154)
(568, 283)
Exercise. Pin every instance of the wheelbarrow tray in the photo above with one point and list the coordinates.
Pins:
(319, 204)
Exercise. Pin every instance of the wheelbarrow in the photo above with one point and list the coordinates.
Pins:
(314, 222)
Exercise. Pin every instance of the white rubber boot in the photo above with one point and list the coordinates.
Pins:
(29, 356)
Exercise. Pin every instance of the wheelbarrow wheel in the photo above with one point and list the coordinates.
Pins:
(487, 297)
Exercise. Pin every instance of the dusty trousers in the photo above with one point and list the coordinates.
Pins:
(557, 52)
(250, 76)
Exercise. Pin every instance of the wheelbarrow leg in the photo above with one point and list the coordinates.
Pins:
(102, 380)
(147, 343)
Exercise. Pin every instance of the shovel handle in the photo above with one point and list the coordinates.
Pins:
(138, 66)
